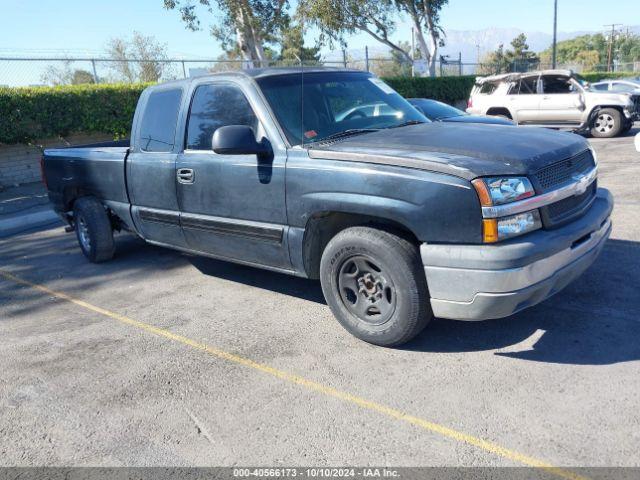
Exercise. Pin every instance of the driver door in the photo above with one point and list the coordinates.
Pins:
(232, 206)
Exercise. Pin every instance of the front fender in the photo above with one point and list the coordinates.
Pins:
(435, 207)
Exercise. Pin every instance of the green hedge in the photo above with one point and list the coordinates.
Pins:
(445, 89)
(27, 114)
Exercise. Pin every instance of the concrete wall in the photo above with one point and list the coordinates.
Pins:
(20, 164)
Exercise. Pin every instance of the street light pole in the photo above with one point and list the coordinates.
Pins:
(555, 32)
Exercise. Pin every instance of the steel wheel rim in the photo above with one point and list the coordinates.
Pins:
(83, 234)
(605, 123)
(366, 289)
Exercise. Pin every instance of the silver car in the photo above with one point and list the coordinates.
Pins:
(556, 99)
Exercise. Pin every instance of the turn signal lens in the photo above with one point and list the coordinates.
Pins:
(489, 230)
(483, 192)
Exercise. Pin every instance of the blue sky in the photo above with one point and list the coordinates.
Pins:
(53, 27)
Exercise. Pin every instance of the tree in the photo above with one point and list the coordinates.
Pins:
(148, 54)
(81, 77)
(517, 59)
(575, 50)
(521, 58)
(494, 62)
(66, 75)
(338, 18)
(293, 49)
(247, 26)
(627, 48)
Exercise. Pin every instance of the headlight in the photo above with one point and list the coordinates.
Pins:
(494, 191)
(501, 190)
(496, 229)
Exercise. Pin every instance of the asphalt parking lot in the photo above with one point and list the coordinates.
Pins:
(161, 358)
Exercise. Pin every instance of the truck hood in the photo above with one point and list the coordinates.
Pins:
(463, 149)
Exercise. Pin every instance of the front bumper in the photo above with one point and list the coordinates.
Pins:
(479, 282)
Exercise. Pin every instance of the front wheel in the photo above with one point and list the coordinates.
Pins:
(375, 286)
(607, 124)
(93, 229)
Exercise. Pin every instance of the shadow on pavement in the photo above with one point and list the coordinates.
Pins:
(594, 321)
(276, 282)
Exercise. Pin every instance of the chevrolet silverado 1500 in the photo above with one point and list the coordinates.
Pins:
(401, 219)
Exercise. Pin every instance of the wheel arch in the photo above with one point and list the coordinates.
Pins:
(322, 226)
(499, 111)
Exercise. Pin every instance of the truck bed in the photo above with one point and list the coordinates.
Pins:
(97, 169)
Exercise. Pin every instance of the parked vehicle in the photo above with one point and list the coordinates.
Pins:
(441, 112)
(623, 85)
(554, 98)
(401, 219)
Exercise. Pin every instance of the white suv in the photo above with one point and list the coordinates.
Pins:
(554, 98)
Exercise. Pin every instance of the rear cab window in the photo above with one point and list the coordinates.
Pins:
(159, 121)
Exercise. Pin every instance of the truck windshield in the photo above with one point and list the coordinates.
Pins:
(334, 103)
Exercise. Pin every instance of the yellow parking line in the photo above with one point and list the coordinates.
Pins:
(311, 385)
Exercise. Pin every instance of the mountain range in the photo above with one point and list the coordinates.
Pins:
(469, 43)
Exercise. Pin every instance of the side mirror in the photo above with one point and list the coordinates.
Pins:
(238, 140)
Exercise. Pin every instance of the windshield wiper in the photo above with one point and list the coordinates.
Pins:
(344, 134)
(407, 123)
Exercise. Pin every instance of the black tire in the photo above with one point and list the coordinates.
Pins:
(607, 123)
(398, 286)
(93, 230)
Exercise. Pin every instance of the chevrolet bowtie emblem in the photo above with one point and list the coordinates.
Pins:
(582, 182)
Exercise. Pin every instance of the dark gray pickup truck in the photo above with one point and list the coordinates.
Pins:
(400, 219)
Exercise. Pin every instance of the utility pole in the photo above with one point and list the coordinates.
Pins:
(611, 38)
(555, 33)
(413, 52)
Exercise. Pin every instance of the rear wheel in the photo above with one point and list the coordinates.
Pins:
(375, 286)
(608, 123)
(93, 229)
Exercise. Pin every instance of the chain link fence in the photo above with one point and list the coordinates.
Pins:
(21, 72)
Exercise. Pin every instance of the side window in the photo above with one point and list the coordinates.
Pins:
(214, 106)
(557, 85)
(529, 86)
(601, 86)
(621, 87)
(159, 120)
(488, 88)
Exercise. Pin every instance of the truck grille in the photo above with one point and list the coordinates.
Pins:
(566, 209)
(553, 176)
(636, 105)
(559, 174)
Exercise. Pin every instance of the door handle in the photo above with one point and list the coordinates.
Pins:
(185, 175)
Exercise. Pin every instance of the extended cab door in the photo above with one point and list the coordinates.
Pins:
(562, 100)
(151, 166)
(232, 206)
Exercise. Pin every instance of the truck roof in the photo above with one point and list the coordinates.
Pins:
(263, 72)
(510, 77)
